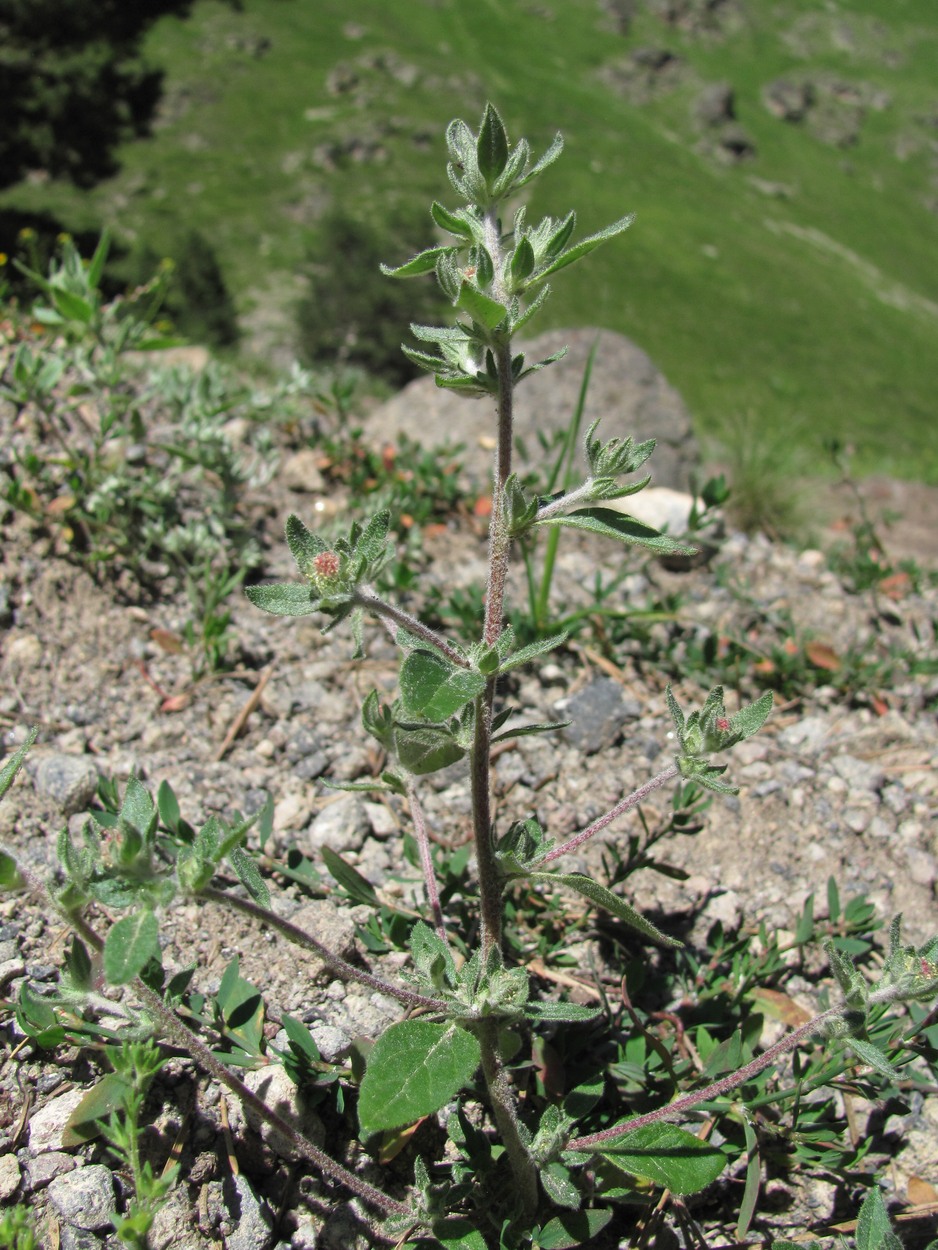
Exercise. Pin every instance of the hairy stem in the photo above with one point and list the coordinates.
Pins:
(426, 859)
(301, 938)
(674, 1110)
(506, 1117)
(623, 806)
(391, 614)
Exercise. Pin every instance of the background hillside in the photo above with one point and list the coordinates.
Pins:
(782, 161)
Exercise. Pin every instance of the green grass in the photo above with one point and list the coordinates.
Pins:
(816, 310)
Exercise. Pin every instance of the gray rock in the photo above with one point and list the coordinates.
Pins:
(598, 712)
(85, 1197)
(329, 925)
(858, 774)
(71, 1238)
(48, 1124)
(249, 1220)
(70, 781)
(332, 1042)
(273, 1085)
(9, 1177)
(626, 390)
(300, 472)
(715, 105)
(342, 826)
(46, 1167)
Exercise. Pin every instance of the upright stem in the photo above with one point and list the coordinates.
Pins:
(490, 886)
(506, 1117)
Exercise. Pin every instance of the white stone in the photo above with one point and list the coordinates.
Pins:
(48, 1124)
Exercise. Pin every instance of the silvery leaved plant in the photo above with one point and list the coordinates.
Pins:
(527, 1165)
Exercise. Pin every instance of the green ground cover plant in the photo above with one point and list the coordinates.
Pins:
(641, 1112)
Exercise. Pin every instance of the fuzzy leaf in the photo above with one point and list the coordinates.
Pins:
(15, 762)
(750, 719)
(573, 1228)
(872, 1055)
(414, 1068)
(874, 1231)
(625, 529)
(604, 898)
(130, 944)
(570, 1012)
(423, 749)
(304, 545)
(526, 654)
(458, 1234)
(423, 262)
(667, 1155)
(283, 598)
(492, 146)
(249, 875)
(10, 876)
(454, 223)
(587, 245)
(435, 690)
(482, 308)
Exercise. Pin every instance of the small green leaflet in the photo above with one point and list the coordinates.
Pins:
(481, 308)
(130, 943)
(414, 1068)
(604, 898)
(572, 1228)
(873, 1228)
(435, 690)
(357, 887)
(667, 1155)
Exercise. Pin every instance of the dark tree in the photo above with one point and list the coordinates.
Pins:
(72, 84)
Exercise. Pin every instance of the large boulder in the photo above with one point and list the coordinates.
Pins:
(626, 390)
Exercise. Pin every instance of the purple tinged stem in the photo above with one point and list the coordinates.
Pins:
(623, 806)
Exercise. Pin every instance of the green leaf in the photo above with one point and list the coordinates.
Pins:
(373, 538)
(874, 1231)
(872, 1055)
(283, 598)
(15, 762)
(242, 1008)
(486, 311)
(138, 809)
(491, 146)
(249, 875)
(572, 1228)
(95, 268)
(548, 158)
(522, 262)
(110, 1094)
(667, 1155)
(10, 876)
(423, 262)
(350, 879)
(131, 943)
(750, 719)
(529, 653)
(524, 731)
(624, 529)
(304, 545)
(434, 689)
(300, 1037)
(587, 245)
(454, 223)
(71, 306)
(458, 1234)
(423, 749)
(570, 1012)
(558, 1186)
(602, 897)
(414, 1068)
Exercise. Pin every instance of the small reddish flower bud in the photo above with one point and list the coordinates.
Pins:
(326, 564)
(723, 724)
